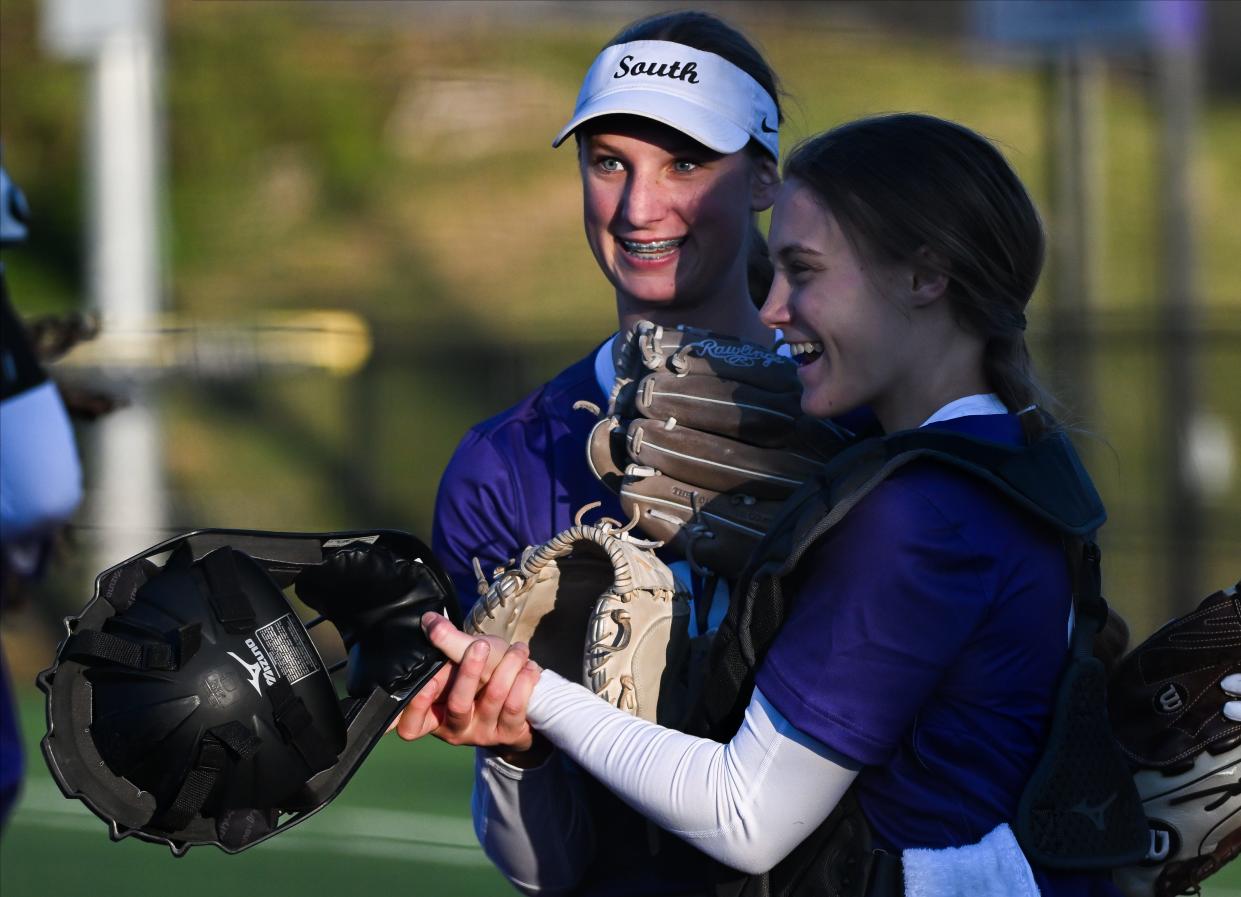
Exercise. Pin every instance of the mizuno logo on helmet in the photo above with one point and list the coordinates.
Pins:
(255, 670)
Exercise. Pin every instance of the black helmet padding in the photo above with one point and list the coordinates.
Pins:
(188, 703)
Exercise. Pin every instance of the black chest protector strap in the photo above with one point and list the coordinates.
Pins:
(1045, 478)
(1081, 810)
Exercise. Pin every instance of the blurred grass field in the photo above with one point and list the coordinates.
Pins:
(374, 161)
(401, 825)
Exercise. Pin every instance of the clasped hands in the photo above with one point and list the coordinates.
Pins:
(479, 697)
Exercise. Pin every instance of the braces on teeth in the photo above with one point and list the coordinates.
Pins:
(656, 246)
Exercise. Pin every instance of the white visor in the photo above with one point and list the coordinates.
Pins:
(700, 94)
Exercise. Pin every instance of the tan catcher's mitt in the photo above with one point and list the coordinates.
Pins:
(703, 440)
(599, 608)
(1165, 703)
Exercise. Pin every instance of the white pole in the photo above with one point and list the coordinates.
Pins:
(123, 164)
(119, 39)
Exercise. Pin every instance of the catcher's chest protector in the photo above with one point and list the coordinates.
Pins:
(1081, 764)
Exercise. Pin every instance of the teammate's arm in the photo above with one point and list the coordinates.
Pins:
(40, 478)
(744, 803)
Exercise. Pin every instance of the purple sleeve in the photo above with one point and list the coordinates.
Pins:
(475, 510)
(882, 607)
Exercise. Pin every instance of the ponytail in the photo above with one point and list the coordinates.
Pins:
(1010, 373)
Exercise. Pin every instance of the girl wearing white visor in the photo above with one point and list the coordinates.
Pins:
(676, 132)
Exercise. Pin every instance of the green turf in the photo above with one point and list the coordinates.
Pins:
(402, 824)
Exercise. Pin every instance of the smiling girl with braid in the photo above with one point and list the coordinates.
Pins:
(926, 632)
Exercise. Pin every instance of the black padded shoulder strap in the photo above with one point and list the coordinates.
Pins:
(1046, 478)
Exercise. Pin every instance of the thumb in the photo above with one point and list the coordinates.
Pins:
(445, 636)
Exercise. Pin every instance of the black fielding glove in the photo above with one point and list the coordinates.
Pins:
(376, 601)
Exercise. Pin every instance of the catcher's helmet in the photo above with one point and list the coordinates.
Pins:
(188, 705)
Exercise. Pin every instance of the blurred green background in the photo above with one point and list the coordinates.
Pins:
(393, 160)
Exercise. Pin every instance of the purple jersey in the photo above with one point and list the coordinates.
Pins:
(519, 478)
(515, 480)
(10, 747)
(925, 643)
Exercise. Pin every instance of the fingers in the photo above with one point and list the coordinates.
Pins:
(454, 643)
(479, 697)
(513, 712)
(513, 732)
(501, 682)
(418, 718)
(502, 709)
(459, 702)
(1232, 685)
(499, 649)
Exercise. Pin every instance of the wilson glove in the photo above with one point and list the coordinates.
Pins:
(1166, 706)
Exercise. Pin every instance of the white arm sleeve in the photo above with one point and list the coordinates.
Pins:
(747, 803)
(533, 824)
